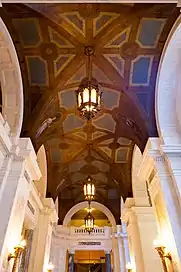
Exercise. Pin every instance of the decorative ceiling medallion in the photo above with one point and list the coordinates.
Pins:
(141, 70)
(117, 62)
(119, 39)
(48, 51)
(149, 32)
(61, 62)
(104, 19)
(74, 20)
(58, 39)
(87, 11)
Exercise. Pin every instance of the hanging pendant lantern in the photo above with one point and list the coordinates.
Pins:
(89, 222)
(89, 190)
(88, 95)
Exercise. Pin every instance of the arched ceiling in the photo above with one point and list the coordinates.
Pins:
(127, 41)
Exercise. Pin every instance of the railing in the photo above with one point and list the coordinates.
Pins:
(82, 231)
(104, 232)
(98, 231)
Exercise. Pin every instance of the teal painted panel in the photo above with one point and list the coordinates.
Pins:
(141, 71)
(150, 31)
(37, 71)
(28, 31)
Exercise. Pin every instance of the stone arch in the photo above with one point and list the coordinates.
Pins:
(41, 184)
(168, 89)
(95, 205)
(11, 83)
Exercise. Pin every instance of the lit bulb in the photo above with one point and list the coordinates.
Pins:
(23, 243)
(50, 266)
(129, 266)
(157, 243)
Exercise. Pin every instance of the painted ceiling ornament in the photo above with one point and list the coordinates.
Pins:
(46, 124)
(89, 96)
(87, 11)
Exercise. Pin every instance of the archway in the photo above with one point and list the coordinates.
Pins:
(95, 205)
(168, 112)
(11, 83)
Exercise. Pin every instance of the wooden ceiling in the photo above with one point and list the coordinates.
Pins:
(127, 41)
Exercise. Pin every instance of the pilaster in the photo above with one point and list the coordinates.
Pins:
(108, 261)
(41, 244)
(164, 187)
(71, 265)
(16, 176)
(124, 255)
(141, 222)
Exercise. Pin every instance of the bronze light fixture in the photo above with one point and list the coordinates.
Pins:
(89, 190)
(129, 267)
(161, 249)
(50, 267)
(89, 97)
(17, 254)
(89, 222)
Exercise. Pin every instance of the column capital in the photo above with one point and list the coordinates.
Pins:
(107, 251)
(27, 151)
(71, 251)
(49, 209)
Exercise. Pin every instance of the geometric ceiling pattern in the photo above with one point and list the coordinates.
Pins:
(127, 41)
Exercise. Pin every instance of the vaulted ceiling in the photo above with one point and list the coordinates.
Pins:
(127, 42)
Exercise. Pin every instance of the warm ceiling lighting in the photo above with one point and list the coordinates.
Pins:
(88, 95)
(89, 223)
(129, 267)
(89, 190)
(50, 267)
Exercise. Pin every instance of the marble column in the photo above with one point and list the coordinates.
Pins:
(71, 267)
(108, 261)
(14, 192)
(163, 165)
(40, 253)
(141, 222)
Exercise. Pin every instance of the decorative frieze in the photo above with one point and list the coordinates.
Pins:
(89, 243)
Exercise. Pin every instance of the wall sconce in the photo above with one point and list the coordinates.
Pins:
(50, 267)
(161, 249)
(17, 254)
(129, 267)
